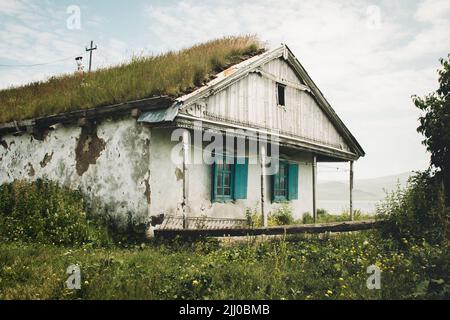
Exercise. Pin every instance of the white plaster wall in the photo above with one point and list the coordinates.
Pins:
(167, 187)
(133, 156)
(116, 182)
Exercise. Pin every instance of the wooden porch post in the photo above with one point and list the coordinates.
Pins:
(351, 190)
(263, 185)
(185, 178)
(314, 185)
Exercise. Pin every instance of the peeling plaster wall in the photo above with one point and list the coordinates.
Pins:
(115, 168)
(166, 176)
(130, 170)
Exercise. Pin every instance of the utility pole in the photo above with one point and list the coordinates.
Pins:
(92, 48)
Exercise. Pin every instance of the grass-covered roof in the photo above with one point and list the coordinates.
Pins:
(172, 74)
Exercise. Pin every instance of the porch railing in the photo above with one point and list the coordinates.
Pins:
(171, 222)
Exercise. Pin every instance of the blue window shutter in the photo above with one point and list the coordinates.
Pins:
(213, 182)
(240, 180)
(293, 182)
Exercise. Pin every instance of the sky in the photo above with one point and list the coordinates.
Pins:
(367, 57)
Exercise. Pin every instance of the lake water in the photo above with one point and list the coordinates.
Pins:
(339, 206)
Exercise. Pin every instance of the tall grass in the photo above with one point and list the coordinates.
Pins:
(314, 268)
(44, 212)
(323, 216)
(173, 73)
(45, 228)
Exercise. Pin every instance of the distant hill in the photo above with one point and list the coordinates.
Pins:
(364, 189)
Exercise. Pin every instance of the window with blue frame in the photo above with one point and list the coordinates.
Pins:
(285, 182)
(224, 181)
(229, 180)
(280, 184)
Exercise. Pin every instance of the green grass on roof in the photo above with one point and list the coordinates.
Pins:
(172, 74)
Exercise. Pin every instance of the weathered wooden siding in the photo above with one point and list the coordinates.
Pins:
(253, 101)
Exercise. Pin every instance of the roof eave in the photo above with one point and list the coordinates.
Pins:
(143, 105)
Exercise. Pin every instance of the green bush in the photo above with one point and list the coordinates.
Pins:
(416, 213)
(307, 218)
(254, 219)
(46, 213)
(282, 216)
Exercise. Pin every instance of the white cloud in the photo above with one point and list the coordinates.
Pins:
(368, 73)
(11, 7)
(33, 33)
(432, 10)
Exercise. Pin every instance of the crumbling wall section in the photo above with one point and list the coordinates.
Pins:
(109, 161)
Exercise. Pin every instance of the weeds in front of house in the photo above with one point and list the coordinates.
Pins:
(284, 216)
(44, 212)
(318, 268)
(323, 216)
(33, 263)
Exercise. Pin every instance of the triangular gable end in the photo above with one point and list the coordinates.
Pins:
(294, 74)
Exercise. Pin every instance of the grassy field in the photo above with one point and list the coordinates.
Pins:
(313, 268)
(46, 228)
(172, 73)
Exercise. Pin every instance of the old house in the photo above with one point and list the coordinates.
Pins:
(122, 155)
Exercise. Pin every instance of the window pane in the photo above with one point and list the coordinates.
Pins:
(219, 180)
(281, 182)
(227, 179)
(281, 94)
(223, 184)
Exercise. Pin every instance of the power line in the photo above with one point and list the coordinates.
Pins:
(92, 48)
(35, 64)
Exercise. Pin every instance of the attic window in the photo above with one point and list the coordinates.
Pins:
(281, 94)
